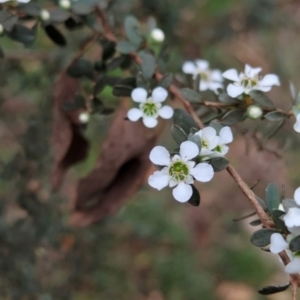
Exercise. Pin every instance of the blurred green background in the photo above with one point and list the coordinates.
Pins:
(154, 248)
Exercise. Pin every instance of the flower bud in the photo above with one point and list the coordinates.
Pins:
(157, 35)
(254, 112)
(84, 117)
(44, 15)
(1, 29)
(64, 4)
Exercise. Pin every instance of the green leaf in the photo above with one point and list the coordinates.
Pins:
(255, 222)
(195, 139)
(190, 95)
(261, 202)
(275, 116)
(141, 81)
(261, 238)
(295, 244)
(81, 8)
(224, 98)
(166, 81)
(272, 289)
(219, 163)
(55, 35)
(59, 15)
(197, 83)
(279, 224)
(289, 203)
(1, 53)
(133, 30)
(97, 105)
(108, 49)
(232, 117)
(100, 85)
(184, 120)
(122, 91)
(148, 65)
(178, 134)
(9, 22)
(195, 198)
(81, 67)
(272, 197)
(298, 99)
(262, 99)
(115, 63)
(126, 47)
(22, 34)
(30, 9)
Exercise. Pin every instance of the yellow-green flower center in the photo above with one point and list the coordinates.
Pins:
(149, 108)
(249, 82)
(179, 171)
(204, 144)
(218, 148)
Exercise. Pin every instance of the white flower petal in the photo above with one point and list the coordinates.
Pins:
(150, 122)
(189, 68)
(294, 230)
(172, 183)
(213, 86)
(293, 267)
(24, 1)
(208, 133)
(292, 218)
(189, 180)
(203, 85)
(176, 157)
(134, 114)
(297, 124)
(160, 156)
(203, 172)
(278, 243)
(183, 192)
(226, 136)
(158, 180)
(166, 112)
(202, 64)
(262, 88)
(224, 150)
(213, 143)
(188, 150)
(231, 74)
(270, 79)
(139, 95)
(216, 75)
(234, 90)
(159, 94)
(297, 196)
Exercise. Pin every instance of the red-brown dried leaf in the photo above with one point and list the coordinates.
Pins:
(120, 171)
(69, 145)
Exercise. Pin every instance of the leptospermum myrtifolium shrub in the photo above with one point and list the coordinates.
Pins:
(202, 140)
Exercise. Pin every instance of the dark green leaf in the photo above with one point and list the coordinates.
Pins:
(141, 81)
(55, 35)
(148, 65)
(122, 91)
(289, 203)
(272, 197)
(272, 289)
(81, 67)
(276, 215)
(184, 120)
(126, 47)
(58, 15)
(22, 34)
(261, 202)
(232, 117)
(178, 134)
(129, 81)
(194, 130)
(219, 163)
(82, 9)
(195, 139)
(30, 9)
(1, 53)
(295, 244)
(100, 85)
(107, 111)
(190, 95)
(195, 198)
(97, 105)
(261, 238)
(115, 63)
(275, 116)
(261, 98)
(255, 222)
(109, 49)
(133, 30)
(224, 98)
(9, 22)
(73, 23)
(197, 83)
(166, 81)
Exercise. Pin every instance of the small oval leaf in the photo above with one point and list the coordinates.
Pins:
(190, 95)
(272, 197)
(261, 238)
(272, 289)
(178, 134)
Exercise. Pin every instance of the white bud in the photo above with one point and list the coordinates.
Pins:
(254, 112)
(157, 35)
(65, 4)
(84, 117)
(1, 29)
(44, 15)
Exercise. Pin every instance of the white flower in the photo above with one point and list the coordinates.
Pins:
(209, 140)
(293, 267)
(150, 107)
(292, 218)
(297, 196)
(44, 15)
(1, 29)
(84, 117)
(179, 170)
(225, 137)
(297, 124)
(65, 4)
(19, 1)
(210, 79)
(157, 35)
(278, 243)
(254, 112)
(249, 80)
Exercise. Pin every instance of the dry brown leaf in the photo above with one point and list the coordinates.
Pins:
(69, 145)
(120, 171)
